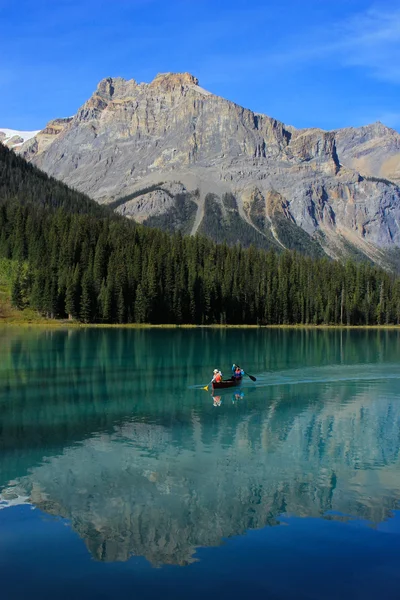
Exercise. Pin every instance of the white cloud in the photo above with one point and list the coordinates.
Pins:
(368, 40)
(372, 41)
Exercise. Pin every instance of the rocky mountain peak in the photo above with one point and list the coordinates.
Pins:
(115, 87)
(169, 153)
(118, 88)
(172, 80)
(380, 129)
(372, 150)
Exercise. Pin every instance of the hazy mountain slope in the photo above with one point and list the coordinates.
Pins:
(128, 138)
(373, 150)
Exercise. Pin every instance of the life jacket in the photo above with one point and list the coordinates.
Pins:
(238, 374)
(218, 377)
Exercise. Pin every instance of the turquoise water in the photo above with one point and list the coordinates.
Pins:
(121, 477)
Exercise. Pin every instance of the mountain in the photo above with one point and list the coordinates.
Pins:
(65, 256)
(173, 155)
(373, 150)
(14, 139)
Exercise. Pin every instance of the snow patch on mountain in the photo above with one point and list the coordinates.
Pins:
(8, 134)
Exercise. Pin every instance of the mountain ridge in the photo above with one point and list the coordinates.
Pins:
(339, 187)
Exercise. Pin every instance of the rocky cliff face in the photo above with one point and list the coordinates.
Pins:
(143, 146)
(373, 150)
(43, 139)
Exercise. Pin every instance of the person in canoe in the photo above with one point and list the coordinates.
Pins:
(237, 372)
(217, 376)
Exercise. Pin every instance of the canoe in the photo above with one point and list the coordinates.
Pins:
(227, 383)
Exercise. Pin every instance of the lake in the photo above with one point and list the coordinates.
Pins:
(120, 477)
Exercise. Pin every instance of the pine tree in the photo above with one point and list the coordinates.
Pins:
(17, 291)
(121, 309)
(86, 304)
(140, 305)
(72, 295)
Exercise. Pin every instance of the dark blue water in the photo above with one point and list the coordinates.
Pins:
(121, 477)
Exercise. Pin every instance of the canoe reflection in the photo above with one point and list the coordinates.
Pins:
(217, 400)
(237, 395)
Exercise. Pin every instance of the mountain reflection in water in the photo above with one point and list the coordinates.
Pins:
(155, 468)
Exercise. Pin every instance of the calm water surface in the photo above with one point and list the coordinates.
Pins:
(121, 478)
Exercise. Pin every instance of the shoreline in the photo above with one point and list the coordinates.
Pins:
(52, 323)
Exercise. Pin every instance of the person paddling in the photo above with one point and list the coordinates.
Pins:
(217, 378)
(237, 372)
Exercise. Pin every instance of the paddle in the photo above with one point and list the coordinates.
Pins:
(251, 376)
(206, 386)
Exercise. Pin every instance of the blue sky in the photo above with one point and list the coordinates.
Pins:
(307, 63)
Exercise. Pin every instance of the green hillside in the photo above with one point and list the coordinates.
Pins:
(63, 256)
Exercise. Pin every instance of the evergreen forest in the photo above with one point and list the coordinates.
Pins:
(76, 259)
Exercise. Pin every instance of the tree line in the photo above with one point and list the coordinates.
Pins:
(81, 261)
(112, 271)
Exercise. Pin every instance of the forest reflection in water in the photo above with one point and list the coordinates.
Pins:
(109, 429)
